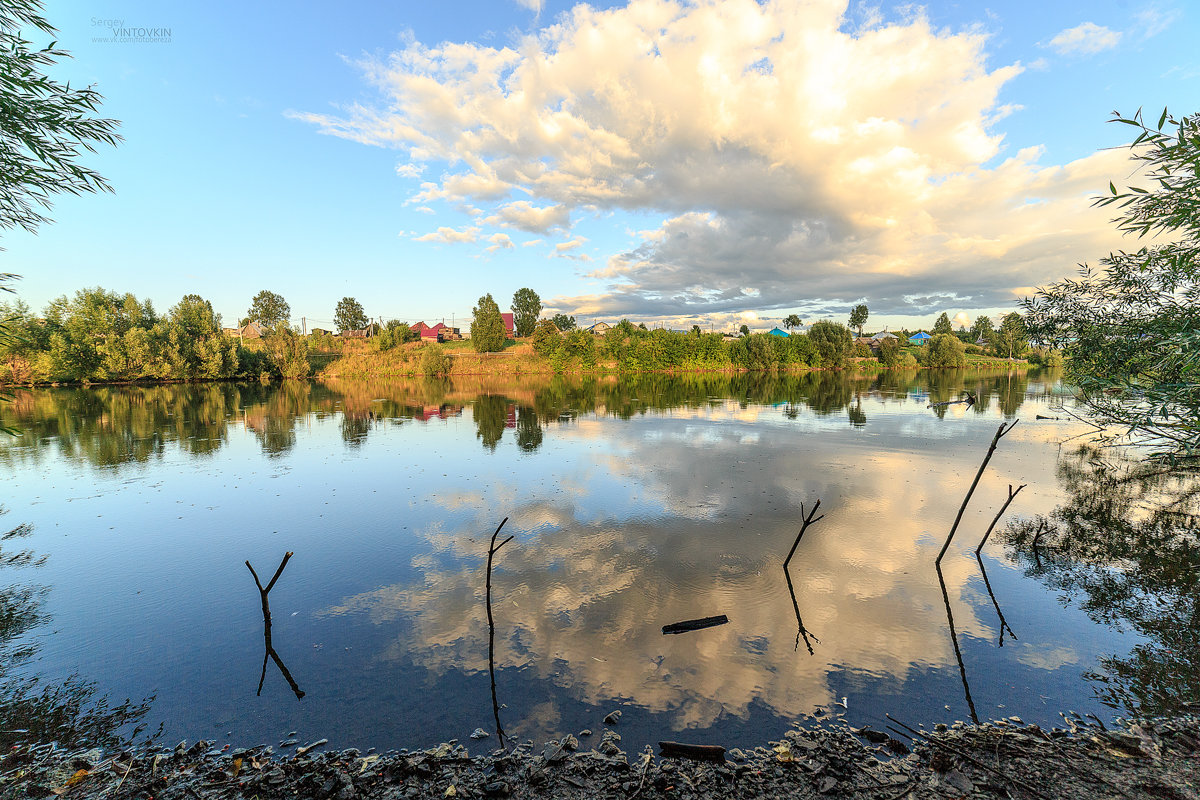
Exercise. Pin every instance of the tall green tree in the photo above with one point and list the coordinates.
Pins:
(793, 321)
(269, 309)
(487, 328)
(1130, 330)
(1012, 339)
(349, 315)
(745, 330)
(526, 306)
(982, 329)
(563, 322)
(943, 325)
(858, 318)
(45, 125)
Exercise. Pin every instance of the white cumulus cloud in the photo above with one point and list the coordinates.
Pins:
(785, 146)
(1087, 38)
(450, 236)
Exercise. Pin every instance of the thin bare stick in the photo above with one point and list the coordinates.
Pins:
(1001, 431)
(800, 629)
(493, 548)
(999, 514)
(269, 650)
(962, 667)
(1003, 623)
(808, 520)
(973, 760)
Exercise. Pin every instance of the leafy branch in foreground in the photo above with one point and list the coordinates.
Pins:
(44, 124)
(1130, 330)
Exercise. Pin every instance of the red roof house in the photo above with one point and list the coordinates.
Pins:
(509, 329)
(433, 334)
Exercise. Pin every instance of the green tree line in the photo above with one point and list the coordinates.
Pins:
(99, 335)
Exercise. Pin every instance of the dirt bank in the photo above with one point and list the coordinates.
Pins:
(1150, 759)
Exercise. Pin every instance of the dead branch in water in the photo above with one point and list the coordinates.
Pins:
(808, 520)
(800, 629)
(962, 667)
(995, 604)
(968, 400)
(1000, 432)
(268, 649)
(1011, 496)
(494, 548)
(694, 624)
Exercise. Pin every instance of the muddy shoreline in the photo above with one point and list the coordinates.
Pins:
(1157, 758)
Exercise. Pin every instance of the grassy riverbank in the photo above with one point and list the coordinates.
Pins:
(359, 359)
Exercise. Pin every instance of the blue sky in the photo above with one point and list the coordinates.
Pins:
(715, 162)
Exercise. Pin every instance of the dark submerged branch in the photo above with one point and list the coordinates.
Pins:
(808, 520)
(1011, 496)
(268, 649)
(1003, 623)
(1000, 432)
(494, 548)
(800, 629)
(695, 624)
(962, 667)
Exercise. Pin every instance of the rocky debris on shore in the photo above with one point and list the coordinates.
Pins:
(1156, 758)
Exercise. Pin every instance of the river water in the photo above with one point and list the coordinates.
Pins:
(633, 504)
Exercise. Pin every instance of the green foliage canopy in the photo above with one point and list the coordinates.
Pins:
(858, 317)
(833, 342)
(349, 315)
(945, 351)
(1130, 330)
(487, 328)
(45, 125)
(526, 306)
(269, 309)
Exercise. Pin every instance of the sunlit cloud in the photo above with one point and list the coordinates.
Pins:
(817, 155)
(450, 236)
(499, 241)
(1087, 38)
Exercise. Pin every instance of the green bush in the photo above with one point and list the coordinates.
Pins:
(833, 342)
(546, 338)
(889, 353)
(945, 351)
(394, 334)
(434, 361)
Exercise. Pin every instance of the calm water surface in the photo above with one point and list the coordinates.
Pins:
(633, 503)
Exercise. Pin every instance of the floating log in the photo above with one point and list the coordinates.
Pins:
(695, 624)
(703, 752)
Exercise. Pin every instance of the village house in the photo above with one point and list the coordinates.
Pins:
(251, 330)
(361, 333)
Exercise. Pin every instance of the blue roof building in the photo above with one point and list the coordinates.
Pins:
(778, 332)
(920, 338)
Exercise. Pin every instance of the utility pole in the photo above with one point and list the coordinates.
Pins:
(304, 326)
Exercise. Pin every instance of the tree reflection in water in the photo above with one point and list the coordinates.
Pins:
(109, 426)
(1125, 547)
(33, 709)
